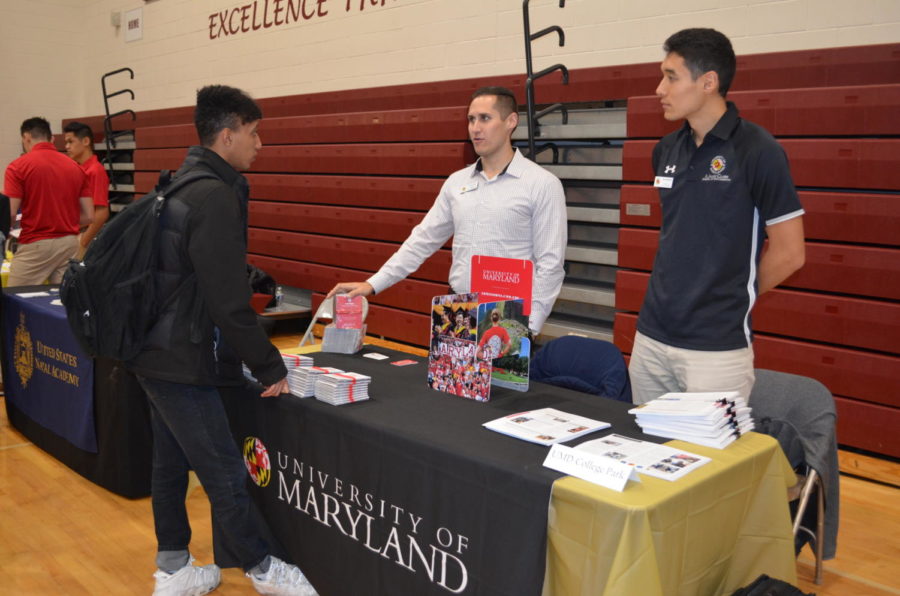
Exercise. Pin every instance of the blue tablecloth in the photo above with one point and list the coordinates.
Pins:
(49, 377)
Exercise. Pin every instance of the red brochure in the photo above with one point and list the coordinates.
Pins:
(502, 279)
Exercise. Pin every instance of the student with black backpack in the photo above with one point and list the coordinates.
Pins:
(203, 329)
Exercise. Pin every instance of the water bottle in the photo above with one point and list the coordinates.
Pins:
(279, 296)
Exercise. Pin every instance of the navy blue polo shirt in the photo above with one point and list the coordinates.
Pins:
(716, 201)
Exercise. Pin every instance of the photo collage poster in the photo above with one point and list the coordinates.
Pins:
(474, 346)
(454, 366)
(503, 340)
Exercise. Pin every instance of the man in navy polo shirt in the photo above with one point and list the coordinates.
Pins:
(724, 186)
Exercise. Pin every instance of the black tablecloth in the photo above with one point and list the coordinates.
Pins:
(406, 493)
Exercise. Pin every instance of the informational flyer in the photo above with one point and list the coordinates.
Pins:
(545, 426)
(647, 458)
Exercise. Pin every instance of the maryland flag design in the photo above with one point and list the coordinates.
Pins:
(256, 458)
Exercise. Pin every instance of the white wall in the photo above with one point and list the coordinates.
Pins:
(49, 68)
(42, 66)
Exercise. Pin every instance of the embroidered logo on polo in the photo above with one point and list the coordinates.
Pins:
(256, 458)
(23, 352)
(717, 170)
(670, 169)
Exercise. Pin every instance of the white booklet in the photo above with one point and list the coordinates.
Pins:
(647, 458)
(545, 426)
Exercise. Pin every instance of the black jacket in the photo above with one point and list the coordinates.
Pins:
(207, 326)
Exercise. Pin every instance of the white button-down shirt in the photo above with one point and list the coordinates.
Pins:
(519, 214)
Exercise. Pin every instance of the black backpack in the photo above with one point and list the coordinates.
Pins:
(109, 296)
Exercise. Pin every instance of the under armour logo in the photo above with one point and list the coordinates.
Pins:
(670, 169)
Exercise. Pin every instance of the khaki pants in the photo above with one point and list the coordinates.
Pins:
(656, 368)
(42, 260)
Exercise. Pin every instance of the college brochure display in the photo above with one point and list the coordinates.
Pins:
(499, 278)
(647, 458)
(453, 364)
(476, 344)
(714, 419)
(546, 426)
(347, 330)
(349, 313)
(503, 338)
(346, 333)
(342, 388)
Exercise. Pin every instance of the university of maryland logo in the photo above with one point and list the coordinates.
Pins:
(256, 458)
(717, 165)
(23, 353)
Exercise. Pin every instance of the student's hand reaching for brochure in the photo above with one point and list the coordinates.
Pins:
(352, 288)
(277, 389)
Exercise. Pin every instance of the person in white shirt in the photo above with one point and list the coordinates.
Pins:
(503, 205)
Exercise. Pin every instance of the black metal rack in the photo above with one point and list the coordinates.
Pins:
(109, 134)
(534, 118)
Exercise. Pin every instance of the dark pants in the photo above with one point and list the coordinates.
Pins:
(190, 431)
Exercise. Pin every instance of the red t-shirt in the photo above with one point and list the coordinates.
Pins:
(50, 185)
(98, 181)
(495, 338)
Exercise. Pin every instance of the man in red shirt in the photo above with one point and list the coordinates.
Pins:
(49, 188)
(80, 147)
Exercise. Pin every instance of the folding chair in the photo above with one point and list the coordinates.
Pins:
(800, 413)
(588, 365)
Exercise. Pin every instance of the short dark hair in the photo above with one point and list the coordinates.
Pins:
(38, 127)
(80, 130)
(506, 100)
(704, 50)
(220, 107)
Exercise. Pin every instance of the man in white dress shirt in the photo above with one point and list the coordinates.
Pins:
(503, 205)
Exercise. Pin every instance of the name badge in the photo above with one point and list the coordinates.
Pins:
(469, 188)
(663, 182)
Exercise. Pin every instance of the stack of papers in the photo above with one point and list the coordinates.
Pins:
(292, 361)
(545, 426)
(342, 341)
(714, 419)
(302, 380)
(342, 388)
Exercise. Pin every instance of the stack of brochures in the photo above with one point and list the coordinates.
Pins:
(545, 426)
(342, 341)
(342, 388)
(714, 419)
(302, 380)
(292, 361)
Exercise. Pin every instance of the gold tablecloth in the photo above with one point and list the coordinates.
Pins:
(708, 533)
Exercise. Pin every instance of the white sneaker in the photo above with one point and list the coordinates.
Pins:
(282, 579)
(190, 580)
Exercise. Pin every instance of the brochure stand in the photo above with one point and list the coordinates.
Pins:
(346, 332)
